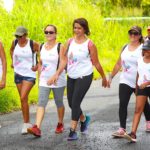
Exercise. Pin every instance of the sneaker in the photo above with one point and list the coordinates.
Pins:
(34, 130)
(147, 126)
(24, 128)
(130, 137)
(72, 135)
(84, 125)
(59, 128)
(119, 133)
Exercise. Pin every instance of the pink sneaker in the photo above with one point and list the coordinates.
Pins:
(147, 126)
(119, 133)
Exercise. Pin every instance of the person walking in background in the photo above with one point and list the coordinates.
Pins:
(148, 34)
(143, 89)
(23, 57)
(128, 62)
(3, 68)
(82, 54)
(50, 55)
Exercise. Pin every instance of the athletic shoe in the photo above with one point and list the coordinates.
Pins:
(59, 128)
(147, 126)
(84, 125)
(119, 133)
(130, 137)
(24, 128)
(35, 131)
(72, 135)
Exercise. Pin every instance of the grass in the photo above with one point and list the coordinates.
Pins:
(109, 37)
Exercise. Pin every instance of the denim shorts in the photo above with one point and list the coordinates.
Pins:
(19, 78)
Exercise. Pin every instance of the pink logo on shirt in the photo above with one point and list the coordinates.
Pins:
(126, 67)
(71, 59)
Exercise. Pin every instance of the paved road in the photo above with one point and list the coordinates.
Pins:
(101, 104)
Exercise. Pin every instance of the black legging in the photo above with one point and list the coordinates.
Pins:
(76, 90)
(125, 93)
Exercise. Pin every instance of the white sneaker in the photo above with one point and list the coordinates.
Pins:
(25, 127)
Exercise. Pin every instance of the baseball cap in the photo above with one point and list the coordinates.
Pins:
(146, 45)
(21, 31)
(136, 28)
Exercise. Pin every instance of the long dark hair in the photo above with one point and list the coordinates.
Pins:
(84, 23)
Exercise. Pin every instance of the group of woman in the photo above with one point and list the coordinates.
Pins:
(77, 57)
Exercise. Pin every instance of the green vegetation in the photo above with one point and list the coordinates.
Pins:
(109, 37)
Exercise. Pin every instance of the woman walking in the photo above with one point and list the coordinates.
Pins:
(128, 62)
(22, 53)
(50, 55)
(143, 89)
(3, 68)
(81, 54)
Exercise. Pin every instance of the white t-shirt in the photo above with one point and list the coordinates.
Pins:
(1, 70)
(129, 65)
(143, 71)
(49, 66)
(22, 60)
(79, 61)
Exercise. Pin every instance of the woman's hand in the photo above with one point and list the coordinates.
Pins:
(142, 86)
(104, 82)
(53, 79)
(109, 81)
(34, 68)
(2, 84)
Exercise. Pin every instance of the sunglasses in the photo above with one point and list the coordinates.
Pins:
(133, 33)
(18, 37)
(49, 32)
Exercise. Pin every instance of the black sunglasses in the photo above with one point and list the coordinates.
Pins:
(49, 32)
(133, 33)
(17, 36)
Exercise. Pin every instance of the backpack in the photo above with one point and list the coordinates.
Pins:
(58, 50)
(34, 54)
(124, 47)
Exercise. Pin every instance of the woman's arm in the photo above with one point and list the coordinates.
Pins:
(96, 63)
(115, 70)
(4, 66)
(36, 48)
(11, 52)
(62, 64)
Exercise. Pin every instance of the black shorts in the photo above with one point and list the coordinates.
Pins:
(143, 92)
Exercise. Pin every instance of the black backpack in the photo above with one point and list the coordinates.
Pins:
(58, 50)
(34, 54)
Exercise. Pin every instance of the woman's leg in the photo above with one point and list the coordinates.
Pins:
(147, 111)
(81, 87)
(125, 92)
(140, 103)
(58, 97)
(25, 89)
(70, 90)
(42, 102)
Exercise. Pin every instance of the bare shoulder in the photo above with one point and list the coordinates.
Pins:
(91, 45)
(36, 46)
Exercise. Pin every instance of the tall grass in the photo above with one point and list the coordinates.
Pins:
(109, 37)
